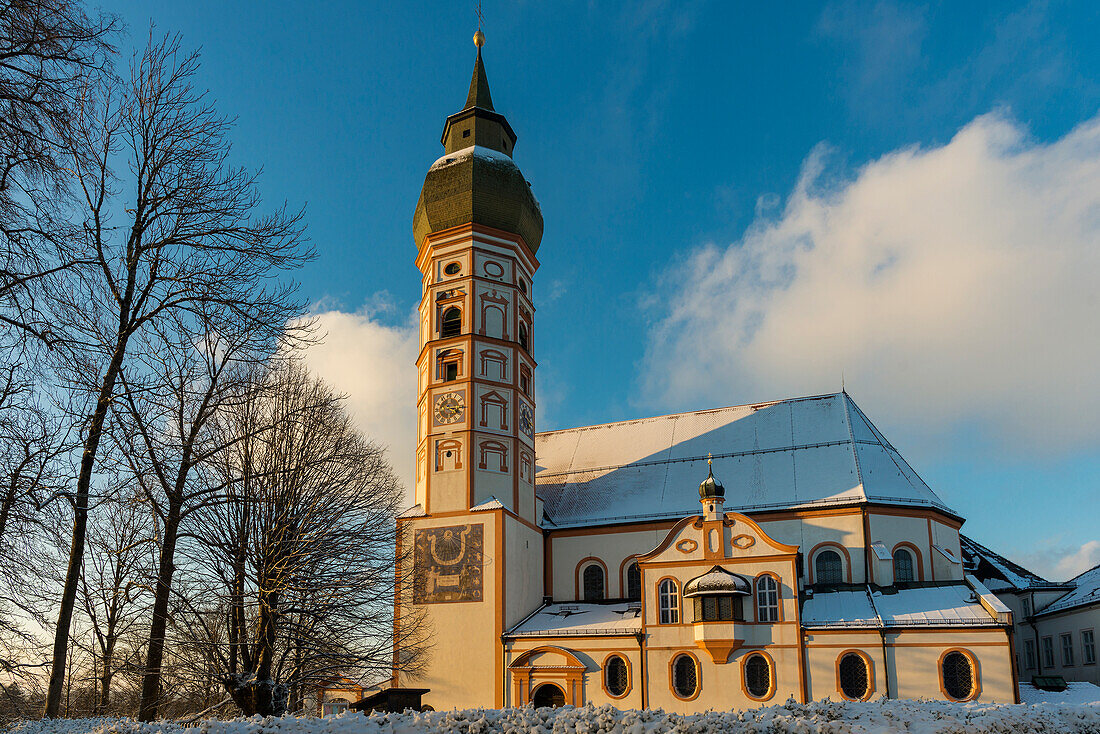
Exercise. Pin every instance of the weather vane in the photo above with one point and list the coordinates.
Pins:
(479, 37)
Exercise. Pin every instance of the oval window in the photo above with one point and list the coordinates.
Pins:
(758, 676)
(616, 676)
(854, 679)
(452, 269)
(958, 676)
(494, 270)
(685, 676)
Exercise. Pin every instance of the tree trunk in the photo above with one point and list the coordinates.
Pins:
(80, 528)
(150, 685)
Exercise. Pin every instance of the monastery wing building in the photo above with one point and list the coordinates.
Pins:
(717, 559)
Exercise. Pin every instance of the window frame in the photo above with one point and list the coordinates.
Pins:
(912, 564)
(868, 667)
(582, 571)
(444, 322)
(776, 608)
(1046, 645)
(629, 675)
(1029, 655)
(675, 612)
(1088, 648)
(1066, 638)
(820, 551)
(628, 564)
(975, 674)
(672, 676)
(772, 685)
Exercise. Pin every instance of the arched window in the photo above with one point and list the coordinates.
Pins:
(523, 335)
(616, 676)
(633, 582)
(767, 599)
(855, 678)
(903, 565)
(548, 694)
(828, 568)
(685, 676)
(957, 672)
(758, 676)
(451, 324)
(668, 602)
(593, 582)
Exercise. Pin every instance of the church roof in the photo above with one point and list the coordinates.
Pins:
(564, 620)
(998, 572)
(931, 605)
(796, 453)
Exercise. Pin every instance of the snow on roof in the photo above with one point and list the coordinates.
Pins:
(414, 511)
(842, 608)
(955, 604)
(717, 581)
(490, 504)
(791, 453)
(1087, 592)
(911, 607)
(581, 619)
(997, 572)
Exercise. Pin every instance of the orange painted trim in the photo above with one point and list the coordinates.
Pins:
(572, 660)
(843, 645)
(975, 674)
(672, 677)
(679, 601)
(778, 597)
(728, 561)
(779, 515)
(830, 545)
(669, 537)
(917, 558)
(870, 667)
(773, 684)
(501, 602)
(919, 513)
(629, 675)
(579, 584)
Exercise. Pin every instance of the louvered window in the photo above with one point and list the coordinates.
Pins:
(451, 323)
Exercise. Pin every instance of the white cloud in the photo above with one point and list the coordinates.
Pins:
(954, 286)
(374, 365)
(1058, 563)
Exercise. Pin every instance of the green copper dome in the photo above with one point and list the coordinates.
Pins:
(476, 180)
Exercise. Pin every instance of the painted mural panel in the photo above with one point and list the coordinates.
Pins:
(448, 564)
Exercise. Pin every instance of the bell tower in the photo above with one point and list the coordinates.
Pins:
(477, 545)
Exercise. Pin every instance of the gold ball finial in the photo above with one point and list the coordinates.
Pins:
(479, 38)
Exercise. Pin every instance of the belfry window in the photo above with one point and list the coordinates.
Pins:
(828, 568)
(903, 566)
(594, 583)
(451, 323)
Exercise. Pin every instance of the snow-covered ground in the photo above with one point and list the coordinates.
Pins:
(919, 717)
(1075, 693)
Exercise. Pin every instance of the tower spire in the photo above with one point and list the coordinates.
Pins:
(479, 84)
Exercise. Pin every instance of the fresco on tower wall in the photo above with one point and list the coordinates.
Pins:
(448, 564)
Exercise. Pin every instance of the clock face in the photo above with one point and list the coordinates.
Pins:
(449, 407)
(527, 421)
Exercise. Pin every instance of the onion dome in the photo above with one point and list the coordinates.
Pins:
(476, 180)
(711, 488)
(717, 582)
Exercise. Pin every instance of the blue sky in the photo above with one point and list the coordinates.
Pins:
(742, 201)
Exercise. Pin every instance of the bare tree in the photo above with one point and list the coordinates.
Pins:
(50, 52)
(175, 243)
(301, 556)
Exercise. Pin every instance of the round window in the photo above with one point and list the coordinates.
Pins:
(685, 676)
(452, 268)
(494, 270)
(616, 676)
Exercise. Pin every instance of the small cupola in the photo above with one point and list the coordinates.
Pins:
(711, 493)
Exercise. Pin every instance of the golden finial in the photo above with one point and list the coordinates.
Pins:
(710, 461)
(479, 37)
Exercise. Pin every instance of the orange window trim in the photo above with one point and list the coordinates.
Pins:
(756, 596)
(975, 674)
(698, 676)
(578, 585)
(773, 684)
(629, 675)
(828, 544)
(679, 601)
(870, 674)
(917, 557)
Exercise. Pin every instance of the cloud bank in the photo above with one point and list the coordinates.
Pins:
(374, 365)
(955, 287)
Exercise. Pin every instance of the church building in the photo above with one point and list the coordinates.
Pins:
(717, 559)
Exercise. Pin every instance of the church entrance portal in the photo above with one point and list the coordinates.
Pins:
(548, 694)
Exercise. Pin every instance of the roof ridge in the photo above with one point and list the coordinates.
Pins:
(759, 404)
